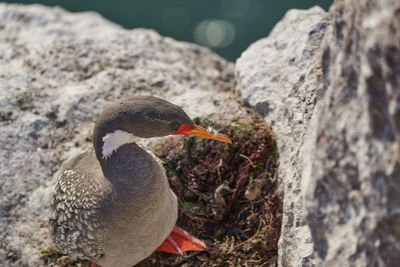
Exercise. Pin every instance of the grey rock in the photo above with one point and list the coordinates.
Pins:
(57, 72)
(351, 157)
(279, 76)
(330, 92)
(337, 129)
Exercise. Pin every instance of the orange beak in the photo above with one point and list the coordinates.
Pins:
(202, 132)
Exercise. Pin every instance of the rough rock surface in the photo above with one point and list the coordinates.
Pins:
(351, 158)
(328, 86)
(57, 72)
(340, 170)
(279, 77)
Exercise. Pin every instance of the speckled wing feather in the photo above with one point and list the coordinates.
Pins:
(74, 223)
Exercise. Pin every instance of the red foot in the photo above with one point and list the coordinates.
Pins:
(180, 241)
(95, 265)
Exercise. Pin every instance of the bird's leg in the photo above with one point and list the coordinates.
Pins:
(94, 265)
(180, 241)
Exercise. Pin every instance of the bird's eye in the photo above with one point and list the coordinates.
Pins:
(174, 126)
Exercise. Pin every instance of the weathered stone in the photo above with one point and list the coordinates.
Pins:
(279, 76)
(339, 171)
(330, 92)
(57, 72)
(351, 157)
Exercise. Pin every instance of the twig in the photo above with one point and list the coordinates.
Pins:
(246, 157)
(218, 170)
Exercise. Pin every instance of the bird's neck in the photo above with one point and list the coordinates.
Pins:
(118, 151)
(108, 142)
(113, 141)
(131, 169)
(122, 160)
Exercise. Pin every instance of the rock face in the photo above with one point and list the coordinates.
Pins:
(279, 76)
(339, 170)
(351, 158)
(57, 72)
(328, 85)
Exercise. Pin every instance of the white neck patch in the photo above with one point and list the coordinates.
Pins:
(112, 141)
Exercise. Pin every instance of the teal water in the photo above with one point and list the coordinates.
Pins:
(226, 26)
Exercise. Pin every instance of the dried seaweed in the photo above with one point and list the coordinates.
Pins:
(227, 195)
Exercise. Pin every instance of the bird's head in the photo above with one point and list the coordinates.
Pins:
(143, 117)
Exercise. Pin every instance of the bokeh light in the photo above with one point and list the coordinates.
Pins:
(214, 33)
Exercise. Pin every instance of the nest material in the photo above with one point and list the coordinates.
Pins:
(227, 195)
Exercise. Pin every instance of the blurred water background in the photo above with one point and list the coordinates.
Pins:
(226, 26)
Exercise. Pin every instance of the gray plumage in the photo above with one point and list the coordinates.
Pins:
(117, 210)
